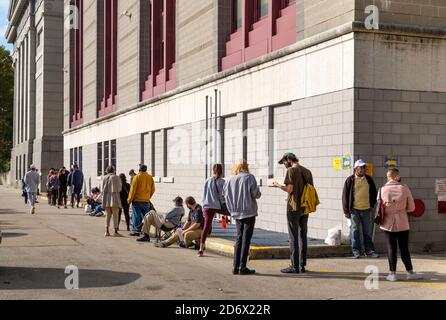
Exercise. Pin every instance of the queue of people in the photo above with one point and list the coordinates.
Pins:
(237, 197)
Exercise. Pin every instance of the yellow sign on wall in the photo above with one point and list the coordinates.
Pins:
(337, 163)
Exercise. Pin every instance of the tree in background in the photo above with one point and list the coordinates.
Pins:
(6, 108)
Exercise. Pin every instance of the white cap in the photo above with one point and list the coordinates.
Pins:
(360, 163)
(33, 166)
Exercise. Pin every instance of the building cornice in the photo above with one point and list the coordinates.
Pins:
(15, 11)
(355, 26)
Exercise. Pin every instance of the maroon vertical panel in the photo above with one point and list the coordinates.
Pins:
(81, 59)
(107, 33)
(114, 51)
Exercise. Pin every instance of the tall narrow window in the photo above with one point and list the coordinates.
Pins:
(80, 158)
(100, 166)
(237, 11)
(106, 154)
(108, 103)
(113, 153)
(76, 159)
(262, 9)
(77, 70)
(162, 77)
(71, 156)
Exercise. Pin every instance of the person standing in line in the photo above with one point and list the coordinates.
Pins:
(358, 201)
(63, 185)
(32, 180)
(141, 192)
(111, 200)
(69, 184)
(125, 206)
(398, 202)
(213, 203)
(132, 174)
(53, 187)
(241, 193)
(77, 182)
(296, 178)
(48, 192)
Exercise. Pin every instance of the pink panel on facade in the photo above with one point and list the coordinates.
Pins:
(257, 50)
(232, 60)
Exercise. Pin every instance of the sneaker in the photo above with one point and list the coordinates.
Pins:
(302, 270)
(144, 238)
(182, 244)
(414, 276)
(391, 278)
(99, 214)
(235, 271)
(356, 256)
(200, 254)
(33, 210)
(290, 270)
(247, 271)
(373, 255)
(134, 234)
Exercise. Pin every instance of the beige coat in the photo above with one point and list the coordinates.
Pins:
(398, 202)
(111, 188)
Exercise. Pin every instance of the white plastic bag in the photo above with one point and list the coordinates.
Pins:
(334, 236)
(88, 209)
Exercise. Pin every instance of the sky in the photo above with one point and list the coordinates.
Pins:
(4, 22)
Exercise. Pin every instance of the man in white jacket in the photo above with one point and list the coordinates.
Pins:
(32, 180)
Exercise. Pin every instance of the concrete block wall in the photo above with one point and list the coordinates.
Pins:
(412, 126)
(429, 13)
(196, 41)
(314, 17)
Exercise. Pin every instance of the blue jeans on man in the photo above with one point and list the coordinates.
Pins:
(361, 219)
(139, 210)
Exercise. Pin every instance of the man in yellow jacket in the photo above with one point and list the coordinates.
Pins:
(141, 192)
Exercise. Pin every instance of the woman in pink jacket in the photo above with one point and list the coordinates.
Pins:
(398, 202)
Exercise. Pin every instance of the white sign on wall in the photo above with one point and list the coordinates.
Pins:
(440, 186)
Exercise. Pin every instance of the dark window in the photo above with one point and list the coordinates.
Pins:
(113, 153)
(80, 158)
(106, 154)
(76, 159)
(100, 166)
(262, 8)
(17, 168)
(237, 10)
(71, 156)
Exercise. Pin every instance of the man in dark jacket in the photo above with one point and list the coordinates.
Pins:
(358, 200)
(77, 182)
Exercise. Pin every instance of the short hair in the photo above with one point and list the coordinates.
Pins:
(95, 190)
(75, 166)
(132, 172)
(110, 169)
(143, 168)
(190, 201)
(217, 169)
(123, 178)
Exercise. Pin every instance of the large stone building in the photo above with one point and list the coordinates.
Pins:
(150, 81)
(36, 32)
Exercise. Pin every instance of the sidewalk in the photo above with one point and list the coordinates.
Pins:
(268, 244)
(264, 245)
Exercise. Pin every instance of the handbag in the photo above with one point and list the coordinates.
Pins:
(379, 210)
(223, 206)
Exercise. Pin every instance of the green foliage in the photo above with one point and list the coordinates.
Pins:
(6, 108)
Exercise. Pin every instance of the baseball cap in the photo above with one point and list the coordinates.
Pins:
(288, 156)
(360, 163)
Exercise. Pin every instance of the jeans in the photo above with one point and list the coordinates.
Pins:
(75, 194)
(139, 210)
(361, 218)
(393, 240)
(297, 220)
(32, 196)
(245, 230)
(126, 210)
(62, 198)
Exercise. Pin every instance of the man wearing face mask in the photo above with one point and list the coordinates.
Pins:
(296, 178)
(358, 199)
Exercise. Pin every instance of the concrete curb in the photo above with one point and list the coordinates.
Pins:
(226, 248)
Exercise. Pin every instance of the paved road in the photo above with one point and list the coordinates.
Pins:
(36, 250)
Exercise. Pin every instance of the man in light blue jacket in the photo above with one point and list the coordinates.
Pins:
(32, 179)
(241, 193)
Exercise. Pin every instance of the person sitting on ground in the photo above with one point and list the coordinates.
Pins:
(172, 220)
(192, 229)
(95, 201)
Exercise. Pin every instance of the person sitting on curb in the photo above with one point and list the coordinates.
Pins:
(95, 201)
(192, 229)
(172, 220)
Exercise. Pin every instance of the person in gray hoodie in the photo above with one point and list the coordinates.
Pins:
(32, 180)
(241, 193)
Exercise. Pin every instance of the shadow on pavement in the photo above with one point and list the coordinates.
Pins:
(16, 278)
(10, 211)
(13, 234)
(428, 277)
